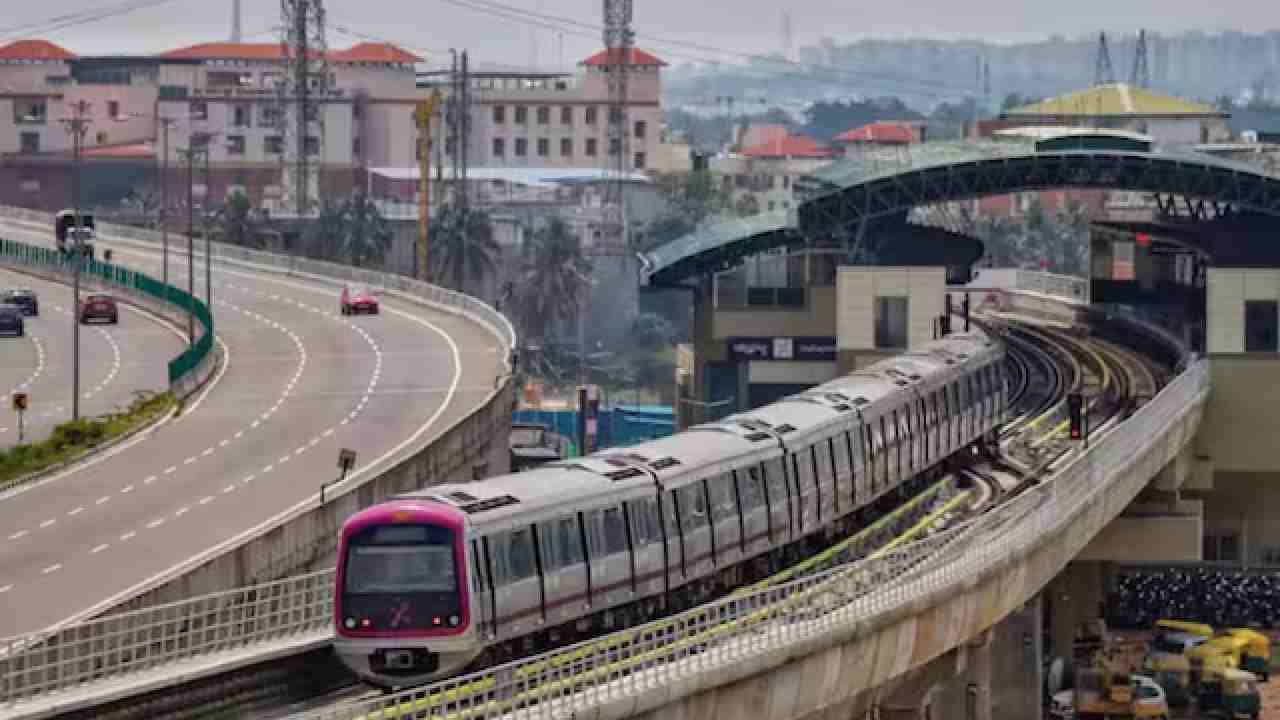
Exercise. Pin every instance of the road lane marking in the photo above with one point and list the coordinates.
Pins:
(102, 500)
(76, 512)
(47, 523)
(17, 535)
(127, 536)
(155, 523)
(99, 549)
(52, 568)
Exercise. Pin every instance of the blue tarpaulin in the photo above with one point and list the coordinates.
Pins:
(618, 426)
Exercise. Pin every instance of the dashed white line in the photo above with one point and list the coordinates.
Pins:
(102, 500)
(76, 512)
(224, 443)
(155, 523)
(189, 460)
(171, 470)
(126, 489)
(228, 489)
(207, 452)
(127, 536)
(181, 511)
(239, 434)
(6, 588)
(47, 523)
(249, 479)
(17, 535)
(150, 479)
(206, 499)
(268, 469)
(51, 569)
(99, 549)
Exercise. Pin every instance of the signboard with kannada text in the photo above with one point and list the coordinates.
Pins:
(803, 349)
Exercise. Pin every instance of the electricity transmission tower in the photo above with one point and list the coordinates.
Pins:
(300, 94)
(1103, 74)
(1141, 76)
(618, 42)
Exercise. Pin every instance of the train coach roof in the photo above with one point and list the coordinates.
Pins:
(497, 497)
(712, 448)
(791, 417)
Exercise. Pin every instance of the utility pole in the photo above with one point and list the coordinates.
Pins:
(422, 116)
(1103, 74)
(78, 126)
(165, 124)
(208, 237)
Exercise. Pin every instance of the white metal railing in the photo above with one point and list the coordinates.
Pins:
(155, 637)
(1069, 287)
(728, 632)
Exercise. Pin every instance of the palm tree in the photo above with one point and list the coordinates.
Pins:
(554, 278)
(237, 224)
(463, 246)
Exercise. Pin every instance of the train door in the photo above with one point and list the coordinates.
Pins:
(805, 490)
(647, 544)
(780, 514)
(608, 556)
(481, 595)
(677, 558)
(825, 478)
(755, 510)
(517, 585)
(564, 567)
(725, 520)
(695, 526)
(842, 448)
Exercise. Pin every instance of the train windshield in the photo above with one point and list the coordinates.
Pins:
(402, 559)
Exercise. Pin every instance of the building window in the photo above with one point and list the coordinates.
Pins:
(235, 145)
(640, 128)
(273, 144)
(566, 115)
(198, 110)
(615, 146)
(269, 116)
(640, 160)
(113, 109)
(522, 115)
(499, 147)
(30, 142)
(241, 116)
(355, 147)
(311, 145)
(1221, 548)
(891, 322)
(589, 116)
(522, 147)
(615, 116)
(1260, 326)
(786, 182)
(544, 116)
(566, 147)
(773, 206)
(591, 146)
(499, 114)
(544, 147)
(30, 112)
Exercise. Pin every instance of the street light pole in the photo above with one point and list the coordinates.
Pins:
(77, 125)
(165, 123)
(191, 222)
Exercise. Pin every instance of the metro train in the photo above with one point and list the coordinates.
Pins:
(453, 575)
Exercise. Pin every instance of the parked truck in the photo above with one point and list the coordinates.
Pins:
(68, 233)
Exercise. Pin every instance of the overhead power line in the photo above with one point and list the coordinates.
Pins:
(82, 17)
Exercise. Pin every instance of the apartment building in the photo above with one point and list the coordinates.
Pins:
(228, 89)
(761, 177)
(550, 120)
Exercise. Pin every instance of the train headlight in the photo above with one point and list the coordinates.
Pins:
(453, 620)
(350, 623)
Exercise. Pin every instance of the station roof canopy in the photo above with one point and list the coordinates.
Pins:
(715, 246)
(532, 177)
(1116, 100)
(870, 164)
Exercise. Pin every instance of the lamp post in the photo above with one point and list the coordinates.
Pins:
(77, 125)
(165, 122)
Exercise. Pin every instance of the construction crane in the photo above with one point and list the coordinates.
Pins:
(422, 116)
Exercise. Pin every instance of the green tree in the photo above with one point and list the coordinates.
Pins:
(651, 332)
(691, 199)
(748, 204)
(368, 233)
(554, 278)
(462, 246)
(325, 237)
(237, 224)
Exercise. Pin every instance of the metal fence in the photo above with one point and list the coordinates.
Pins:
(1069, 287)
(726, 633)
(130, 282)
(35, 665)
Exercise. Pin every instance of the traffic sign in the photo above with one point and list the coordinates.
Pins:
(346, 458)
(19, 401)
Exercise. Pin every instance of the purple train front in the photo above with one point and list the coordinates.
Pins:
(403, 612)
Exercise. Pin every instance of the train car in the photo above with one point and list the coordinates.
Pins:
(476, 573)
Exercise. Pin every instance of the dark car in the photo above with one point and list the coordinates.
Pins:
(358, 300)
(99, 307)
(11, 322)
(23, 298)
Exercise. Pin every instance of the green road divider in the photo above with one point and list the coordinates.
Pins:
(187, 370)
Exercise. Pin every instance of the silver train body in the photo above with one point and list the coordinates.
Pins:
(588, 544)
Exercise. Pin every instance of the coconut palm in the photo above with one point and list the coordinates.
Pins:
(368, 233)
(554, 278)
(463, 247)
(237, 224)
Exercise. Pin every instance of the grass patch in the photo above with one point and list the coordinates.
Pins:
(73, 439)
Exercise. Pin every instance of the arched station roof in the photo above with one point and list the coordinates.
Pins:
(846, 193)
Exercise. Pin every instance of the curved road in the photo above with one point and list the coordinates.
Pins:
(300, 382)
(118, 361)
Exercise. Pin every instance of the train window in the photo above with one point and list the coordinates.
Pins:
(615, 531)
(840, 454)
(520, 563)
(477, 581)
(561, 543)
(774, 482)
(822, 461)
(644, 522)
(693, 506)
(723, 505)
(669, 515)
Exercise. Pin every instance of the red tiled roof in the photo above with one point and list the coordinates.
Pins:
(612, 57)
(34, 50)
(882, 131)
(789, 146)
(759, 133)
(376, 53)
(363, 52)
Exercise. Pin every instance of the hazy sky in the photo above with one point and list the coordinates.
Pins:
(432, 26)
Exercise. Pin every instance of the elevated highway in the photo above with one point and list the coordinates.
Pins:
(297, 383)
(120, 360)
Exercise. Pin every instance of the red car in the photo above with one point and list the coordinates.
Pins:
(357, 300)
(99, 307)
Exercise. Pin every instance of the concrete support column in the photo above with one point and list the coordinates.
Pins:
(977, 678)
(1075, 595)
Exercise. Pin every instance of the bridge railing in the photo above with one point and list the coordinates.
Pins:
(189, 369)
(1068, 287)
(156, 637)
